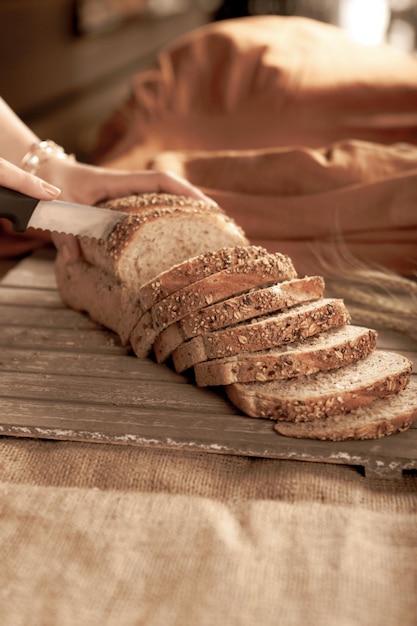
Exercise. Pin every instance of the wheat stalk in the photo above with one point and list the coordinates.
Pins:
(375, 296)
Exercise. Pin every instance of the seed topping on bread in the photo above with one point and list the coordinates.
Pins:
(134, 202)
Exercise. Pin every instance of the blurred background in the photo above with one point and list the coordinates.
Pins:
(66, 64)
(368, 21)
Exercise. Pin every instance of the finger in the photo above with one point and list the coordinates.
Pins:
(171, 183)
(15, 178)
(67, 246)
(148, 181)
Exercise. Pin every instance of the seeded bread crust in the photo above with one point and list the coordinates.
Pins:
(234, 280)
(327, 351)
(321, 395)
(151, 201)
(384, 416)
(271, 331)
(236, 309)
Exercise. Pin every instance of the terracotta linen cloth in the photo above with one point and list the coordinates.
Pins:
(123, 536)
(305, 137)
(14, 245)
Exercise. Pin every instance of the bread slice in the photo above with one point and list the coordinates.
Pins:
(329, 350)
(236, 309)
(271, 331)
(384, 416)
(323, 394)
(159, 231)
(266, 269)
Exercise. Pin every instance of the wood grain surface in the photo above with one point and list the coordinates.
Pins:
(64, 377)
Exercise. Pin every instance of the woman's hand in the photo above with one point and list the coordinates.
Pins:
(88, 184)
(72, 181)
(15, 178)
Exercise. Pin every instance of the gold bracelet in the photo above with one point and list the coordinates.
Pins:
(40, 152)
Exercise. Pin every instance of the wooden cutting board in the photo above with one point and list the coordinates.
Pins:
(64, 377)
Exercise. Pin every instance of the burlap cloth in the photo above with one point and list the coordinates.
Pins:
(97, 535)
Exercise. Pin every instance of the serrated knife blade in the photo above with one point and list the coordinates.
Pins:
(57, 216)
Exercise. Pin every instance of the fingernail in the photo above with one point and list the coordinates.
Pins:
(51, 190)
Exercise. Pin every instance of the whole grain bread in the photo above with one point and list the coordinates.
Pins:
(265, 270)
(270, 331)
(320, 395)
(261, 271)
(384, 416)
(236, 309)
(159, 231)
(119, 306)
(84, 287)
(106, 282)
(329, 350)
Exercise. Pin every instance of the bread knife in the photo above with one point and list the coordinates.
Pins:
(56, 216)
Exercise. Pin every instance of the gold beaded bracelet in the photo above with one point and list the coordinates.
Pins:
(40, 152)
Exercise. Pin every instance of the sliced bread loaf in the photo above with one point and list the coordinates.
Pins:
(106, 282)
(182, 269)
(323, 394)
(328, 350)
(271, 331)
(384, 416)
(178, 277)
(266, 269)
(236, 309)
(159, 231)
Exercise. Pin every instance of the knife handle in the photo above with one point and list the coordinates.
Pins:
(16, 207)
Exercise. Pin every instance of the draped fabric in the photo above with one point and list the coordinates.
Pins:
(304, 136)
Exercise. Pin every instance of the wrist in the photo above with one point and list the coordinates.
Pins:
(41, 153)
